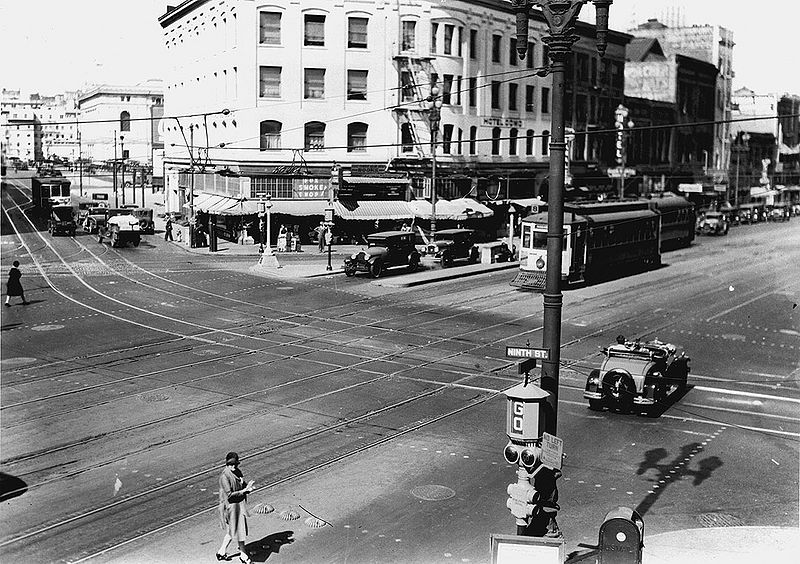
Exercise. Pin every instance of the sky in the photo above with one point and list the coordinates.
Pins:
(50, 46)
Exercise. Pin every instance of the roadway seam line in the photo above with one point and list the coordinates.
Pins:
(746, 394)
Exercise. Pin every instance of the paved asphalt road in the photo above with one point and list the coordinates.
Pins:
(377, 409)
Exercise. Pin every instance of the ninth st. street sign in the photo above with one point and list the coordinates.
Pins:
(528, 352)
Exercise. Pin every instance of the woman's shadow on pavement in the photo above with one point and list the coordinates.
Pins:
(261, 549)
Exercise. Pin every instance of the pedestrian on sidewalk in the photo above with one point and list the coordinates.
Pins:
(233, 507)
(14, 286)
(168, 229)
(321, 236)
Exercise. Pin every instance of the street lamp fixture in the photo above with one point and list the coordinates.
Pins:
(434, 118)
(122, 152)
(561, 17)
(741, 145)
(264, 207)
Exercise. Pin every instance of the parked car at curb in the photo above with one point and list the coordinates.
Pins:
(449, 245)
(779, 212)
(636, 373)
(713, 223)
(385, 250)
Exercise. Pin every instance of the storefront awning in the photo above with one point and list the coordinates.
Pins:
(296, 207)
(459, 209)
(375, 180)
(761, 192)
(373, 209)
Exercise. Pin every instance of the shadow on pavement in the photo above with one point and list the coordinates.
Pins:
(261, 550)
(11, 486)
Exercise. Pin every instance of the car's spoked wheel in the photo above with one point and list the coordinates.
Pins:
(620, 392)
(376, 269)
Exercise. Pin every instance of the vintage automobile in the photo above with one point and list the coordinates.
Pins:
(62, 220)
(384, 250)
(713, 223)
(779, 212)
(449, 245)
(636, 373)
(120, 230)
(145, 217)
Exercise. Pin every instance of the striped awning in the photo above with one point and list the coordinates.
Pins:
(459, 209)
(296, 207)
(373, 209)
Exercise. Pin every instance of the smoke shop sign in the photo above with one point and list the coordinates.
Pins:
(306, 187)
(501, 122)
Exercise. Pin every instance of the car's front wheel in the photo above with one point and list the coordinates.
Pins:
(376, 269)
(413, 264)
(447, 260)
(349, 271)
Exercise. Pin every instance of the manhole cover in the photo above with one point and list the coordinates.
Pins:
(47, 327)
(719, 520)
(152, 398)
(432, 492)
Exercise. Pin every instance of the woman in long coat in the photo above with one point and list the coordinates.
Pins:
(233, 507)
(14, 286)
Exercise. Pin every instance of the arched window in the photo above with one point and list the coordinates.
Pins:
(270, 135)
(124, 121)
(315, 136)
(512, 141)
(545, 143)
(495, 140)
(356, 137)
(529, 136)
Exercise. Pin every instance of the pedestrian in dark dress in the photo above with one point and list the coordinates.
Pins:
(14, 286)
(233, 507)
(168, 229)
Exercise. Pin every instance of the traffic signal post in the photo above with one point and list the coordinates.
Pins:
(533, 411)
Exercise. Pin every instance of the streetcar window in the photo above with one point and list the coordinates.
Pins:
(526, 236)
(539, 240)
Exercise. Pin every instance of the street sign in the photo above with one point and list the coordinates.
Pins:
(616, 172)
(527, 352)
(552, 451)
(525, 366)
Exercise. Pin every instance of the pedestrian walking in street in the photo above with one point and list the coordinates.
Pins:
(233, 507)
(14, 286)
(168, 229)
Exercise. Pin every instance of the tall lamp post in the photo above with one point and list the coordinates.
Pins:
(561, 16)
(741, 145)
(264, 207)
(434, 117)
(122, 154)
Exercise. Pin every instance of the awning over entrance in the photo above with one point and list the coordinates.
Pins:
(213, 203)
(459, 209)
(373, 209)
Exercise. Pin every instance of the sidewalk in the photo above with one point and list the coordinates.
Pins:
(309, 262)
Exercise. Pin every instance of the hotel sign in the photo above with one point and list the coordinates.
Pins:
(501, 122)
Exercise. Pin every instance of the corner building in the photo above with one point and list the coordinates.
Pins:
(274, 95)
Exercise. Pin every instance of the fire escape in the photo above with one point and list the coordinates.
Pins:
(412, 110)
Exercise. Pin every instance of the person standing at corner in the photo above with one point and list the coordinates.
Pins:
(14, 286)
(233, 507)
(168, 229)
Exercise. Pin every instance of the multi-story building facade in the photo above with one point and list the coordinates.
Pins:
(281, 93)
(688, 85)
(121, 122)
(713, 44)
(38, 127)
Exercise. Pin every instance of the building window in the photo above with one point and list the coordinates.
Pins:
(473, 92)
(447, 88)
(434, 33)
(512, 96)
(357, 33)
(495, 140)
(512, 52)
(459, 39)
(529, 58)
(529, 137)
(408, 41)
(495, 95)
(512, 141)
(496, 42)
(447, 138)
(406, 138)
(356, 85)
(530, 95)
(473, 136)
(275, 186)
(314, 136)
(473, 44)
(460, 141)
(448, 39)
(545, 143)
(124, 121)
(269, 82)
(545, 100)
(458, 90)
(270, 135)
(314, 30)
(315, 84)
(545, 55)
(356, 137)
(269, 28)
(406, 86)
